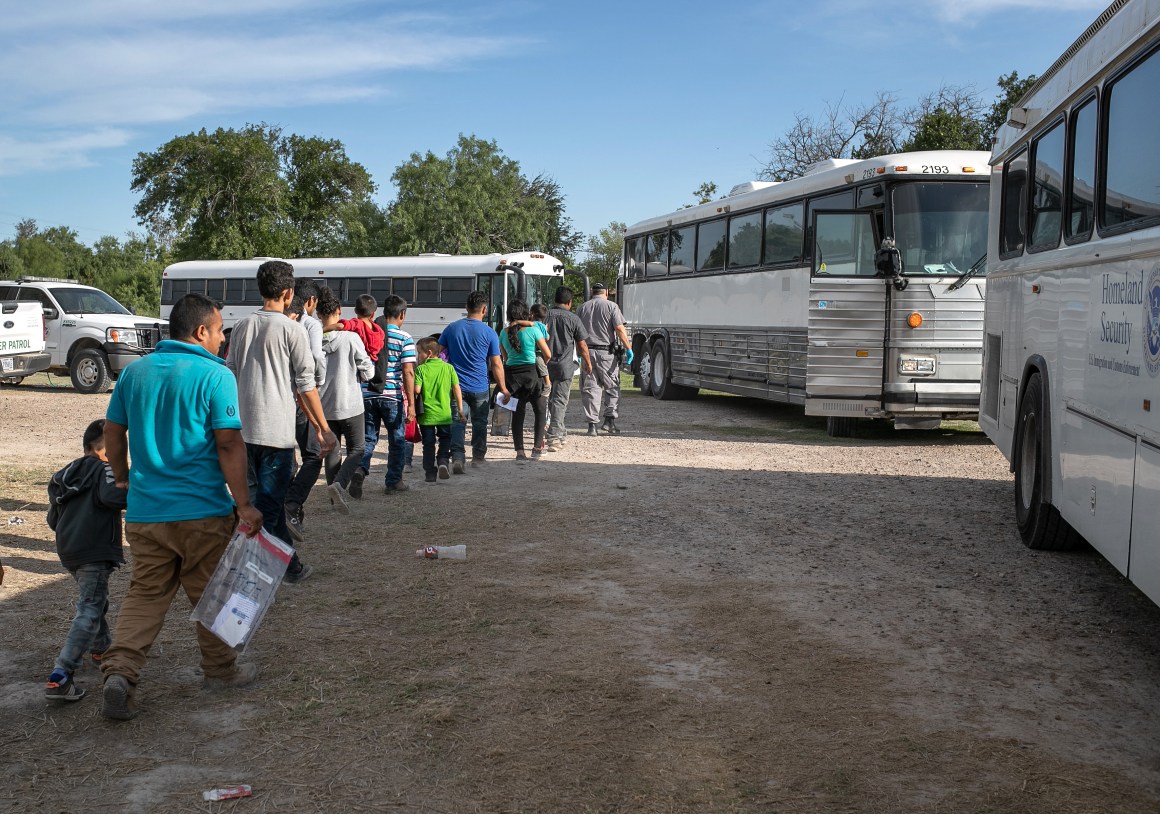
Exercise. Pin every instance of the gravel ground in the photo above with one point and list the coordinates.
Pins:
(720, 610)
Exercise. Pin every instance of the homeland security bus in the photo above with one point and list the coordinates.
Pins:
(1071, 371)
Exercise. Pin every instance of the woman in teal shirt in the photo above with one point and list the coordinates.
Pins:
(518, 346)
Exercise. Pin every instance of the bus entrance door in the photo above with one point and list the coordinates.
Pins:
(846, 327)
(500, 287)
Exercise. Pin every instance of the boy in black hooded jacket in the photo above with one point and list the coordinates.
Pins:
(85, 512)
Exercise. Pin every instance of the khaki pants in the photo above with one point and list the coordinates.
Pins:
(167, 555)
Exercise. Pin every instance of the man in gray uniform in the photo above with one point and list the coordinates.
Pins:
(566, 339)
(600, 387)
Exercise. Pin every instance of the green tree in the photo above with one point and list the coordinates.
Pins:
(243, 193)
(475, 200)
(951, 118)
(704, 193)
(603, 250)
(942, 130)
(130, 272)
(1011, 90)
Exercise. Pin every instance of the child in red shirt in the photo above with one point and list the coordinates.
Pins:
(364, 325)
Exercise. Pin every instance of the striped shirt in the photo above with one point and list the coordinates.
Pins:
(398, 350)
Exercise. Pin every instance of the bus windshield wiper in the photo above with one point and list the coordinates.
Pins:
(975, 268)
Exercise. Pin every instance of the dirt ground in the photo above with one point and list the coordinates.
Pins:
(722, 610)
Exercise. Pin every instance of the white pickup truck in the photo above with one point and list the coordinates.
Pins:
(89, 335)
(22, 341)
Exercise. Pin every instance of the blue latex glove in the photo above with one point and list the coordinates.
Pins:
(628, 356)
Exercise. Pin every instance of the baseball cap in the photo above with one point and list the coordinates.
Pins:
(599, 287)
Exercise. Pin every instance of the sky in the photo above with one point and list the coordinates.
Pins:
(629, 105)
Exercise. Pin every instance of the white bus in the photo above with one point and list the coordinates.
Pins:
(435, 286)
(778, 291)
(1072, 325)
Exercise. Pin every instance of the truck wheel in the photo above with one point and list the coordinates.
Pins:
(1040, 524)
(89, 371)
(841, 426)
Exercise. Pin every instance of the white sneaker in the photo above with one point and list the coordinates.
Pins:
(338, 497)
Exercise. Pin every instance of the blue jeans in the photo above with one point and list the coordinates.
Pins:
(90, 630)
(476, 405)
(389, 413)
(269, 474)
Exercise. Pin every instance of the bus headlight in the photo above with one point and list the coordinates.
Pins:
(916, 365)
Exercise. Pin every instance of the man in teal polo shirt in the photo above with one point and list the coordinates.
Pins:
(176, 411)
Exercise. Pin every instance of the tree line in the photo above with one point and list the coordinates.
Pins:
(259, 191)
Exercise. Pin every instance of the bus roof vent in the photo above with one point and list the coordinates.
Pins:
(751, 186)
(434, 254)
(828, 164)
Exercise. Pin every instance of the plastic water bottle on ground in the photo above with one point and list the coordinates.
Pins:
(443, 552)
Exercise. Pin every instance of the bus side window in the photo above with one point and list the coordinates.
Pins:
(784, 232)
(404, 287)
(745, 240)
(215, 289)
(1014, 193)
(235, 291)
(453, 291)
(633, 258)
(1132, 178)
(427, 291)
(1081, 209)
(380, 289)
(711, 246)
(1047, 195)
(681, 244)
(657, 261)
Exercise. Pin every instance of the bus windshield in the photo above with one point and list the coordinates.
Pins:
(940, 228)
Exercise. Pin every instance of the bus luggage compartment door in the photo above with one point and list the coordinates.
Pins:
(847, 319)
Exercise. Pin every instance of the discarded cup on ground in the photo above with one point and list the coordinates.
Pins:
(443, 552)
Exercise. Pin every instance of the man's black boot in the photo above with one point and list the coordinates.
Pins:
(592, 428)
(610, 427)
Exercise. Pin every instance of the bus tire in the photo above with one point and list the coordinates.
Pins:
(644, 372)
(662, 386)
(89, 371)
(1040, 525)
(841, 426)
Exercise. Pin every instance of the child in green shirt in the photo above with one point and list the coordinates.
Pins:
(437, 384)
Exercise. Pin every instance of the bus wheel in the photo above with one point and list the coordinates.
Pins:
(1040, 524)
(644, 372)
(841, 426)
(662, 386)
(89, 371)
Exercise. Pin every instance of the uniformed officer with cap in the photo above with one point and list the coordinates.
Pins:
(600, 388)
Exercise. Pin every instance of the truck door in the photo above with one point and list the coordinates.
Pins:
(846, 327)
(53, 319)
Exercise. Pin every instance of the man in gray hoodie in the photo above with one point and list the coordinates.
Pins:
(270, 355)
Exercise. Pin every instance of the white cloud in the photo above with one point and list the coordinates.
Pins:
(56, 152)
(103, 68)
